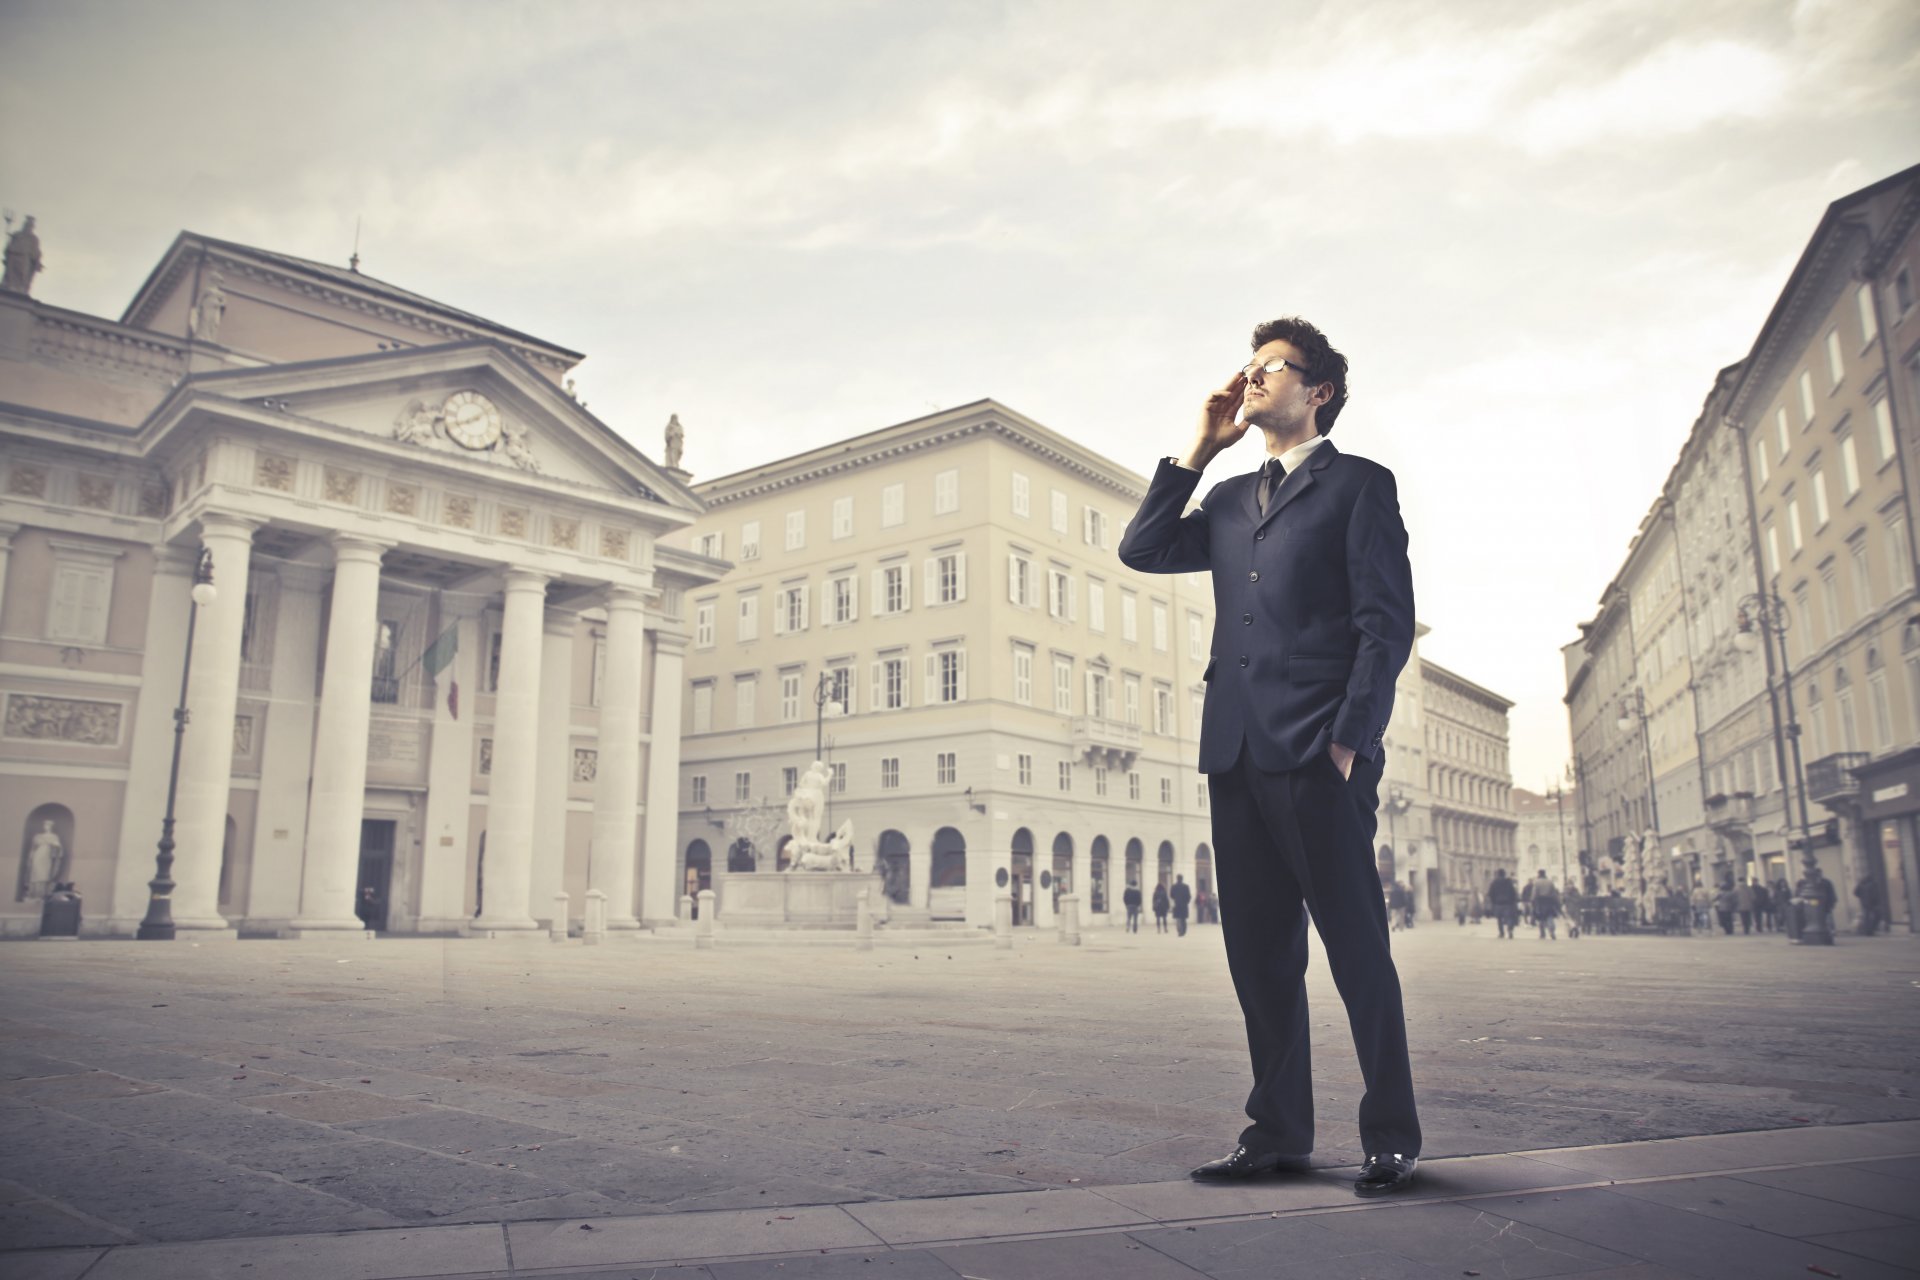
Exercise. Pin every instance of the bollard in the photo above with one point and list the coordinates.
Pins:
(593, 930)
(1070, 919)
(557, 931)
(703, 928)
(863, 921)
(1003, 922)
(686, 908)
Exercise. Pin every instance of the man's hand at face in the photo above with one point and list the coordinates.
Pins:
(1217, 430)
(1342, 759)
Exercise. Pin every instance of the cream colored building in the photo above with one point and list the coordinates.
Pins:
(1470, 781)
(370, 471)
(1547, 834)
(1825, 408)
(1020, 711)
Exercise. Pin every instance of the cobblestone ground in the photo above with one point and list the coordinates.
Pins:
(185, 1092)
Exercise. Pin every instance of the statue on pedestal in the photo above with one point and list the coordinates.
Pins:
(806, 814)
(22, 260)
(45, 856)
(676, 441)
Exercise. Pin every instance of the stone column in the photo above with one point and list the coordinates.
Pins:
(657, 889)
(444, 874)
(286, 754)
(553, 768)
(206, 752)
(920, 873)
(6, 553)
(339, 787)
(151, 751)
(1083, 878)
(616, 788)
(516, 740)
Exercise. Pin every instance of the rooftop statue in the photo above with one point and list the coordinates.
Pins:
(23, 259)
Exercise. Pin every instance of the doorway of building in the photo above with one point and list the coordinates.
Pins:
(375, 881)
(1022, 870)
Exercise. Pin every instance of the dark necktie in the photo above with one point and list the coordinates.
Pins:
(1270, 477)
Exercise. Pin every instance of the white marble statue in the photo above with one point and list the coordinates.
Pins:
(43, 861)
(806, 817)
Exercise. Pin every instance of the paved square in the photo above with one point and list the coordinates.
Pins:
(153, 1092)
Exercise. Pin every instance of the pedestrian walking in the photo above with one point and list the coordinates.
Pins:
(1396, 906)
(1702, 906)
(1762, 907)
(1181, 896)
(1161, 904)
(1743, 903)
(1315, 620)
(1545, 901)
(1724, 905)
(1503, 899)
(1868, 892)
(1131, 901)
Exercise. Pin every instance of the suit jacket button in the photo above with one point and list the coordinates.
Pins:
(1253, 575)
(1261, 534)
(1243, 659)
(1247, 618)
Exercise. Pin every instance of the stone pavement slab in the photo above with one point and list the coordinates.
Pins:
(371, 1255)
(1014, 1213)
(667, 1238)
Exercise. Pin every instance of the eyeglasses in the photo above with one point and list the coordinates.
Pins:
(1273, 366)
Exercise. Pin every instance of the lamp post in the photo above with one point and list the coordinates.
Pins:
(1398, 803)
(1764, 611)
(1559, 793)
(158, 924)
(827, 705)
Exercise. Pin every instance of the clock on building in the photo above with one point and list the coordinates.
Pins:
(471, 420)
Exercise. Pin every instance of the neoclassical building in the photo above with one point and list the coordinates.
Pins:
(1470, 781)
(443, 627)
(1016, 710)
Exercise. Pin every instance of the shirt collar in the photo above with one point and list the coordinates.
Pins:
(1293, 457)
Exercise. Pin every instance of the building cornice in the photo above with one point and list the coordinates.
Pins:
(982, 417)
(1840, 247)
(1433, 671)
(362, 294)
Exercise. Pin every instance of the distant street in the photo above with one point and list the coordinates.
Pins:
(177, 1092)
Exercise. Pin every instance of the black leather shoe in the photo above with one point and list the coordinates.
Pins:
(1385, 1174)
(1243, 1163)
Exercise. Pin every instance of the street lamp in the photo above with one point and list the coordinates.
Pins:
(1633, 709)
(158, 924)
(1764, 611)
(826, 704)
(1398, 803)
(1559, 793)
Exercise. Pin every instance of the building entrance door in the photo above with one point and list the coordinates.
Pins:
(376, 873)
(1022, 888)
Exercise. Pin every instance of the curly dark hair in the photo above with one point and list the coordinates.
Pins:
(1324, 364)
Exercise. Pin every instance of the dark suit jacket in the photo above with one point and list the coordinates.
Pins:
(1313, 603)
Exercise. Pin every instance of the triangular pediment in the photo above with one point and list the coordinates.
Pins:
(468, 404)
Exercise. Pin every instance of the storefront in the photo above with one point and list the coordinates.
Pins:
(1890, 834)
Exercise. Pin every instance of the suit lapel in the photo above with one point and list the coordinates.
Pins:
(1297, 482)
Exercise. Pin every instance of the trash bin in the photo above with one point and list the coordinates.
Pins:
(60, 913)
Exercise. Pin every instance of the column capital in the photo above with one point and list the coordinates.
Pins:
(618, 596)
(7, 530)
(525, 580)
(228, 524)
(561, 622)
(669, 643)
(354, 547)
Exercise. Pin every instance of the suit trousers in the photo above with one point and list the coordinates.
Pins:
(1287, 845)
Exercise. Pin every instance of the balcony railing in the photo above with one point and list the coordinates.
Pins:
(1730, 814)
(1113, 743)
(1830, 779)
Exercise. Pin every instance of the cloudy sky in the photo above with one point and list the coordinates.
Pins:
(1536, 229)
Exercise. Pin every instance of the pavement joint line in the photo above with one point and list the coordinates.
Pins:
(1154, 1223)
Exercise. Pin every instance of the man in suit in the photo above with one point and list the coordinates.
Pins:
(1314, 620)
